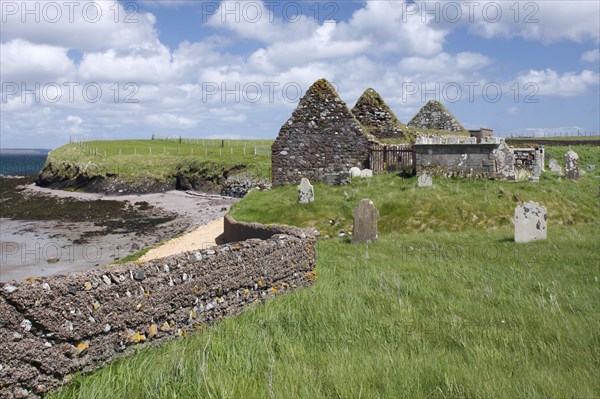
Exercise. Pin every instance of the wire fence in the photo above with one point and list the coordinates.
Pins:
(175, 147)
(569, 133)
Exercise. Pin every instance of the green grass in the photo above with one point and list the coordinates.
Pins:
(159, 159)
(458, 310)
(450, 205)
(435, 315)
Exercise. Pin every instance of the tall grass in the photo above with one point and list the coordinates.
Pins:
(450, 205)
(432, 315)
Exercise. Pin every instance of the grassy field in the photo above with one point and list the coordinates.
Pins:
(159, 159)
(450, 205)
(444, 305)
(436, 315)
(560, 138)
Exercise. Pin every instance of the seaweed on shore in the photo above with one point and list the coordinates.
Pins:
(112, 216)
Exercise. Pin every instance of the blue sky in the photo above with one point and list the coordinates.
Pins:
(236, 69)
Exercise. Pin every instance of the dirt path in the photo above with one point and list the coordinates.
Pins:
(202, 237)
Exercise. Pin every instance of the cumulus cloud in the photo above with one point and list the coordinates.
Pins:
(544, 21)
(591, 56)
(87, 26)
(569, 84)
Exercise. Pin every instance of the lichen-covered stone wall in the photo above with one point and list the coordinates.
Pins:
(449, 160)
(321, 141)
(435, 116)
(376, 117)
(53, 327)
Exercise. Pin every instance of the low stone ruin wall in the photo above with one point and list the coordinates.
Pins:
(53, 327)
(241, 231)
(464, 160)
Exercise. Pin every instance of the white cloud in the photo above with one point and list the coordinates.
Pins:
(544, 21)
(86, 26)
(513, 110)
(22, 61)
(591, 56)
(167, 120)
(569, 84)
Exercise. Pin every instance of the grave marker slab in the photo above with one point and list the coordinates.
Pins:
(365, 222)
(530, 222)
(306, 192)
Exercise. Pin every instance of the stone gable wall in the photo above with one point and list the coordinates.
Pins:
(321, 141)
(53, 327)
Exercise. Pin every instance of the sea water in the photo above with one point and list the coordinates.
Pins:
(22, 162)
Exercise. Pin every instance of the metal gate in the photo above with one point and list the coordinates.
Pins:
(392, 159)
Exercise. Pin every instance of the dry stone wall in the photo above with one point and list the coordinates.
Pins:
(55, 326)
(321, 141)
(376, 117)
(463, 160)
(435, 116)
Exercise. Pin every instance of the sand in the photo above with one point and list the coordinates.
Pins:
(42, 248)
(203, 237)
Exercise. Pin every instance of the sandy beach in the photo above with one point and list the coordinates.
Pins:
(35, 248)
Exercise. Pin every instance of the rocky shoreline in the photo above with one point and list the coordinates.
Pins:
(47, 232)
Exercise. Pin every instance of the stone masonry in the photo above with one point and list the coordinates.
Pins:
(376, 117)
(321, 141)
(435, 116)
(53, 327)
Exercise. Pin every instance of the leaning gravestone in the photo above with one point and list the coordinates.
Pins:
(555, 167)
(354, 172)
(530, 222)
(306, 193)
(424, 180)
(572, 165)
(365, 222)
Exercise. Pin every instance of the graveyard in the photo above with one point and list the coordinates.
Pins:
(443, 303)
(431, 260)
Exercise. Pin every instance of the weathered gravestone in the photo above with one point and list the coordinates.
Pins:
(555, 167)
(572, 165)
(306, 193)
(365, 222)
(354, 172)
(530, 222)
(424, 180)
(366, 173)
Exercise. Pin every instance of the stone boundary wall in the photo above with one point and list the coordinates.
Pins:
(463, 160)
(55, 326)
(241, 231)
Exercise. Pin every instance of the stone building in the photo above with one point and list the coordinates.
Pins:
(376, 117)
(434, 116)
(321, 141)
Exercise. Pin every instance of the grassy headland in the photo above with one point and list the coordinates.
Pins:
(157, 162)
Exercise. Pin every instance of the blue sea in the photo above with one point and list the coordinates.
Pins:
(22, 162)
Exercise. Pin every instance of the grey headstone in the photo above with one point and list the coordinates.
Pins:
(354, 172)
(424, 180)
(306, 193)
(366, 173)
(555, 167)
(365, 222)
(530, 222)
(572, 165)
